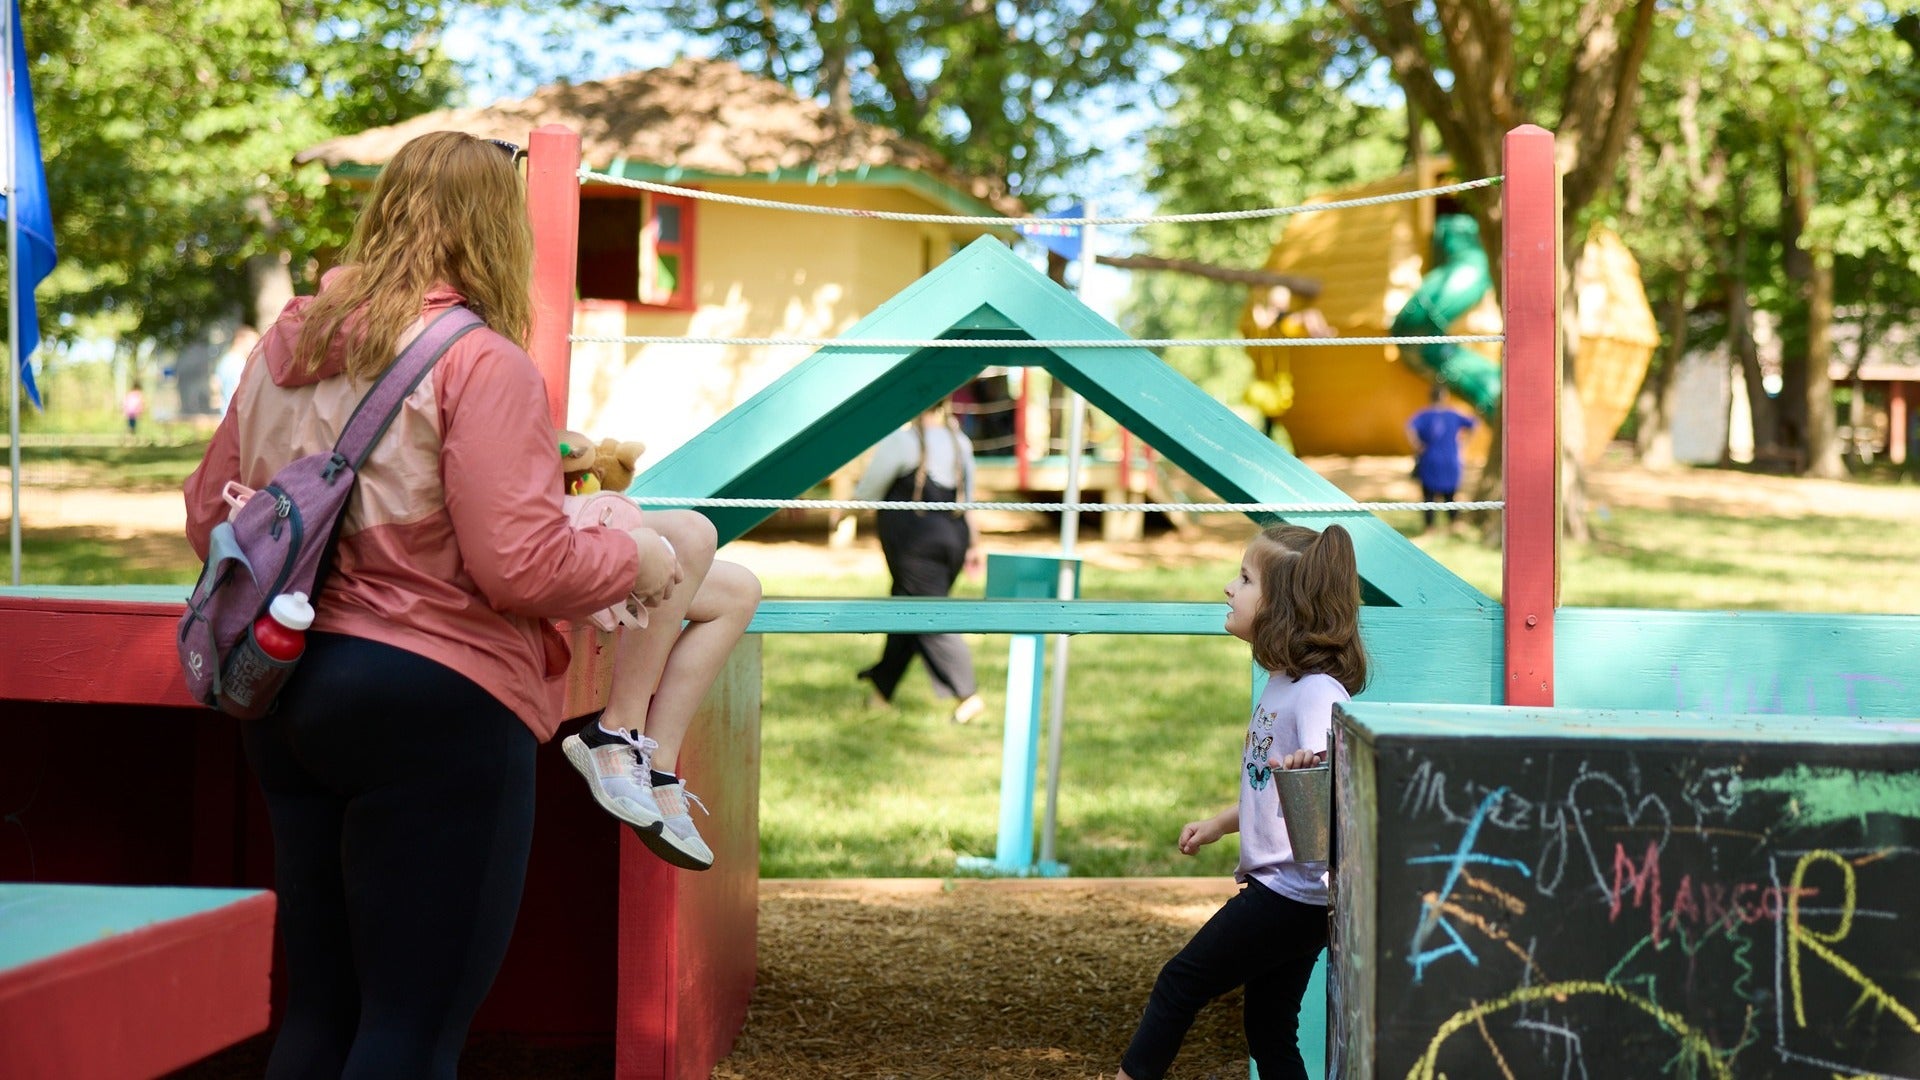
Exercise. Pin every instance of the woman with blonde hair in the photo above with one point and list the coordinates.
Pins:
(398, 764)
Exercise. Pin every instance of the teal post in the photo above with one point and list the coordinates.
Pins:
(1021, 577)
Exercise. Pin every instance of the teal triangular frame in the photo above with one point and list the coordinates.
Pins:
(844, 398)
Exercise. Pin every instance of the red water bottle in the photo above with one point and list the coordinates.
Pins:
(262, 660)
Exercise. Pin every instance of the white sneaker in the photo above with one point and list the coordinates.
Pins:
(618, 775)
(677, 841)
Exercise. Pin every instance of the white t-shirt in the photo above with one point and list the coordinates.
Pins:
(949, 461)
(1290, 715)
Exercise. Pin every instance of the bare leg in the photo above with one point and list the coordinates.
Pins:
(719, 616)
(640, 658)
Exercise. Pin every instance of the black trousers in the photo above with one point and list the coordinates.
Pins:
(925, 554)
(1260, 940)
(401, 796)
(1428, 494)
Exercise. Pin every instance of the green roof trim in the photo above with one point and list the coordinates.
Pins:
(948, 198)
(941, 194)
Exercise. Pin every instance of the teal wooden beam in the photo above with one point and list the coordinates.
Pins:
(1741, 662)
(1417, 654)
(1450, 723)
(832, 406)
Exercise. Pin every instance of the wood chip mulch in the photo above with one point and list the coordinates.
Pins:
(1023, 980)
(922, 979)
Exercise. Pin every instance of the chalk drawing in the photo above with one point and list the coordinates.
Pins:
(1800, 937)
(1693, 1047)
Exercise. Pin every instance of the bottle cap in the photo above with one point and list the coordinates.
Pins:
(291, 610)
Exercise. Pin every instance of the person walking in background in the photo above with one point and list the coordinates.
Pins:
(1296, 601)
(926, 550)
(132, 406)
(1436, 433)
(398, 765)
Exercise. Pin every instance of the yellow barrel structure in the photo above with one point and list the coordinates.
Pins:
(1355, 399)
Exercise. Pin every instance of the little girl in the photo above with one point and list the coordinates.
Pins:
(1296, 601)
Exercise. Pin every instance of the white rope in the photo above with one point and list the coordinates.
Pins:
(1027, 343)
(588, 176)
(1057, 507)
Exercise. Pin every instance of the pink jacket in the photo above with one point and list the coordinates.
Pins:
(454, 546)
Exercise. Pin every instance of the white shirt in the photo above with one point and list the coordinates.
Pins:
(949, 461)
(1290, 715)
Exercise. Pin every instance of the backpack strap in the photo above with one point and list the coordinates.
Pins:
(376, 411)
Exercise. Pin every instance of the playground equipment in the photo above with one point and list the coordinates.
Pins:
(82, 966)
(1356, 399)
(1566, 892)
(1022, 577)
(675, 991)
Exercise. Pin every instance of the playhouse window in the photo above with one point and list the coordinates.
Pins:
(637, 247)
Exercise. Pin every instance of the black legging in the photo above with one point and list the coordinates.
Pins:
(1259, 940)
(925, 553)
(401, 796)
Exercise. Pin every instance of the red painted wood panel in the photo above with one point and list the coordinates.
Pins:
(1530, 412)
(553, 203)
(142, 1003)
(687, 939)
(608, 936)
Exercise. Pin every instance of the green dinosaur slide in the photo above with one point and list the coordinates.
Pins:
(1459, 278)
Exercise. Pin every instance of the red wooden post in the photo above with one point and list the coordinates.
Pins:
(1897, 421)
(1530, 412)
(1125, 479)
(553, 204)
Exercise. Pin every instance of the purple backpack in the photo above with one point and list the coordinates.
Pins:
(280, 539)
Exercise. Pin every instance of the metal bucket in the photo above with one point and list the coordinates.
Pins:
(1306, 809)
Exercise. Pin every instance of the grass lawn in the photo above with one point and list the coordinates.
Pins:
(1153, 723)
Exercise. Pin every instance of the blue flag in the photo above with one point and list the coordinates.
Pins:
(35, 213)
(1062, 240)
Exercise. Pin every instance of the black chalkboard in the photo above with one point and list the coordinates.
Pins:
(1624, 909)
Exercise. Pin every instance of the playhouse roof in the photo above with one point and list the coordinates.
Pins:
(693, 119)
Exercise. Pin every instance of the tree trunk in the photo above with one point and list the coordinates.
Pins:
(1823, 442)
(269, 275)
(1740, 343)
(1807, 393)
(270, 284)
(1653, 441)
(1573, 416)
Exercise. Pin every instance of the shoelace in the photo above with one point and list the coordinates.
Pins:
(679, 791)
(643, 749)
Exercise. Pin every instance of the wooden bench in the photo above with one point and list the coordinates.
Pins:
(101, 983)
(609, 940)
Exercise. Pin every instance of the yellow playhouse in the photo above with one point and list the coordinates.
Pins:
(1355, 399)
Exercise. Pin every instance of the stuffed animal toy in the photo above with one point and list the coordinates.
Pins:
(596, 479)
(609, 466)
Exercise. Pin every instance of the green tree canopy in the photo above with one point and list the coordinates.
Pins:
(169, 130)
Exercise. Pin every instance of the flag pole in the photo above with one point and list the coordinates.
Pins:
(1069, 533)
(7, 74)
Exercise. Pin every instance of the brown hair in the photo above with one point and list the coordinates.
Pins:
(1309, 617)
(448, 209)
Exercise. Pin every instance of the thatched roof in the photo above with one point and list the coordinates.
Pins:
(702, 116)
